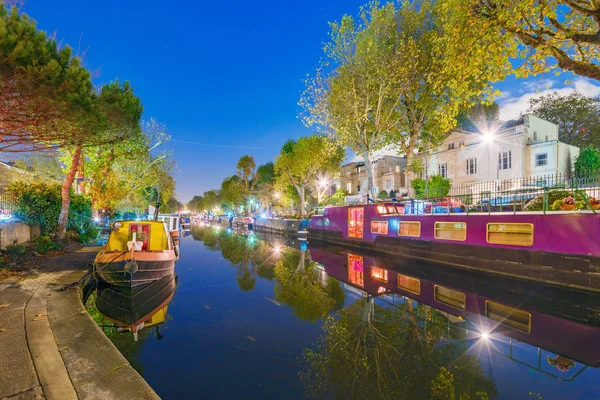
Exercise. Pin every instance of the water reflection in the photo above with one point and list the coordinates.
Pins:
(350, 324)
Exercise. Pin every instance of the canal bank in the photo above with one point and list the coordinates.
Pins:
(51, 348)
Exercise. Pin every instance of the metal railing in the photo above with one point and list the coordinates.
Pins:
(8, 201)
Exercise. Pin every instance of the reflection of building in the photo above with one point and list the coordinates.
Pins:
(388, 174)
(526, 147)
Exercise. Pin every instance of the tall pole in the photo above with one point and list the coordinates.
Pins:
(498, 167)
(427, 169)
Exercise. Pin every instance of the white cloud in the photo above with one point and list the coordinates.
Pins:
(537, 85)
(512, 107)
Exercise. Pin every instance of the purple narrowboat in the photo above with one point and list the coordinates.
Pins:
(558, 248)
(568, 325)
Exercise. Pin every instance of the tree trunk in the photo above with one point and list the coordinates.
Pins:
(81, 176)
(301, 189)
(369, 170)
(408, 175)
(61, 229)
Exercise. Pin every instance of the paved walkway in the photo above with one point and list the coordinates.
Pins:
(51, 348)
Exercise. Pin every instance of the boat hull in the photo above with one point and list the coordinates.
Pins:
(149, 269)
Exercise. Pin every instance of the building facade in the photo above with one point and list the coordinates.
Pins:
(523, 148)
(388, 175)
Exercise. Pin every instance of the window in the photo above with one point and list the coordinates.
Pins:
(450, 231)
(471, 166)
(461, 144)
(379, 227)
(397, 168)
(412, 229)
(409, 284)
(450, 146)
(508, 316)
(546, 138)
(505, 160)
(443, 170)
(379, 274)
(534, 135)
(349, 187)
(514, 234)
(388, 185)
(450, 297)
(355, 222)
(541, 159)
(356, 270)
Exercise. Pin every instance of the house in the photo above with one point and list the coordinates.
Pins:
(524, 148)
(388, 175)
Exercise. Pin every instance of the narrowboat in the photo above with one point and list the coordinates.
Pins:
(558, 247)
(136, 253)
(563, 321)
(144, 306)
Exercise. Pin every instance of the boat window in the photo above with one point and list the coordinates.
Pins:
(355, 222)
(409, 284)
(412, 229)
(142, 234)
(510, 233)
(508, 316)
(379, 227)
(379, 273)
(356, 270)
(451, 231)
(450, 297)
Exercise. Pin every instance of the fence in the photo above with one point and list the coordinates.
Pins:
(8, 202)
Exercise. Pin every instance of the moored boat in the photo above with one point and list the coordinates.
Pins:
(557, 248)
(136, 253)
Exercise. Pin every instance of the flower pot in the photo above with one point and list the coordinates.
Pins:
(567, 207)
(595, 206)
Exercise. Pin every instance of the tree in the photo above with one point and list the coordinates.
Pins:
(265, 174)
(300, 161)
(480, 118)
(577, 117)
(588, 162)
(400, 76)
(563, 33)
(246, 171)
(232, 192)
(438, 186)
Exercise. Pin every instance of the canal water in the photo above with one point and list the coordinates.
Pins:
(255, 317)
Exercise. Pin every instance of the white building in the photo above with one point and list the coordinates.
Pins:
(523, 148)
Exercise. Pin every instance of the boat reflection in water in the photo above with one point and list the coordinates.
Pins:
(133, 309)
(549, 329)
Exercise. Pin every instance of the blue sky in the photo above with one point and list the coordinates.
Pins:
(220, 73)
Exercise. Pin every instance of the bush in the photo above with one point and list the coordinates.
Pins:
(383, 195)
(438, 187)
(537, 203)
(587, 162)
(338, 198)
(40, 203)
(44, 244)
(15, 251)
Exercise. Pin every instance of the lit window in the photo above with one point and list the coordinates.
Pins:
(412, 229)
(409, 284)
(471, 166)
(450, 297)
(356, 270)
(388, 185)
(508, 316)
(541, 159)
(397, 169)
(379, 227)
(379, 274)
(451, 231)
(355, 222)
(349, 187)
(514, 234)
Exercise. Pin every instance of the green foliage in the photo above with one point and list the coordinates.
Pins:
(438, 186)
(577, 116)
(39, 204)
(44, 244)
(15, 251)
(588, 162)
(338, 198)
(383, 194)
(537, 203)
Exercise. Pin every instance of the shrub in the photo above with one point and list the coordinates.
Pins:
(40, 203)
(44, 244)
(537, 203)
(15, 251)
(438, 186)
(383, 195)
(587, 162)
(338, 198)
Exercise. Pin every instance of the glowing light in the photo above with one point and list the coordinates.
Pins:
(488, 137)
(485, 336)
(277, 249)
(277, 195)
(263, 215)
(96, 219)
(323, 182)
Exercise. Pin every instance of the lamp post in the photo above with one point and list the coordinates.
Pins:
(489, 137)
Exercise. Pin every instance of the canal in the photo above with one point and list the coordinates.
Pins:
(258, 317)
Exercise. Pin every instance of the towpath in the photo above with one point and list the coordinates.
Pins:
(50, 347)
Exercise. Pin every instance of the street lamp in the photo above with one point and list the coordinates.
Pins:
(277, 195)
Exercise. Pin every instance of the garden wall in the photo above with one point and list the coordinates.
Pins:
(16, 232)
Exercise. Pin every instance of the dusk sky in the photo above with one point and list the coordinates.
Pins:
(222, 73)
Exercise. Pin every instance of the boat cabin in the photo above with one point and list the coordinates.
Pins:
(152, 234)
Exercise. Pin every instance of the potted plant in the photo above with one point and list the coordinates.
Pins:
(594, 203)
(568, 204)
(562, 363)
